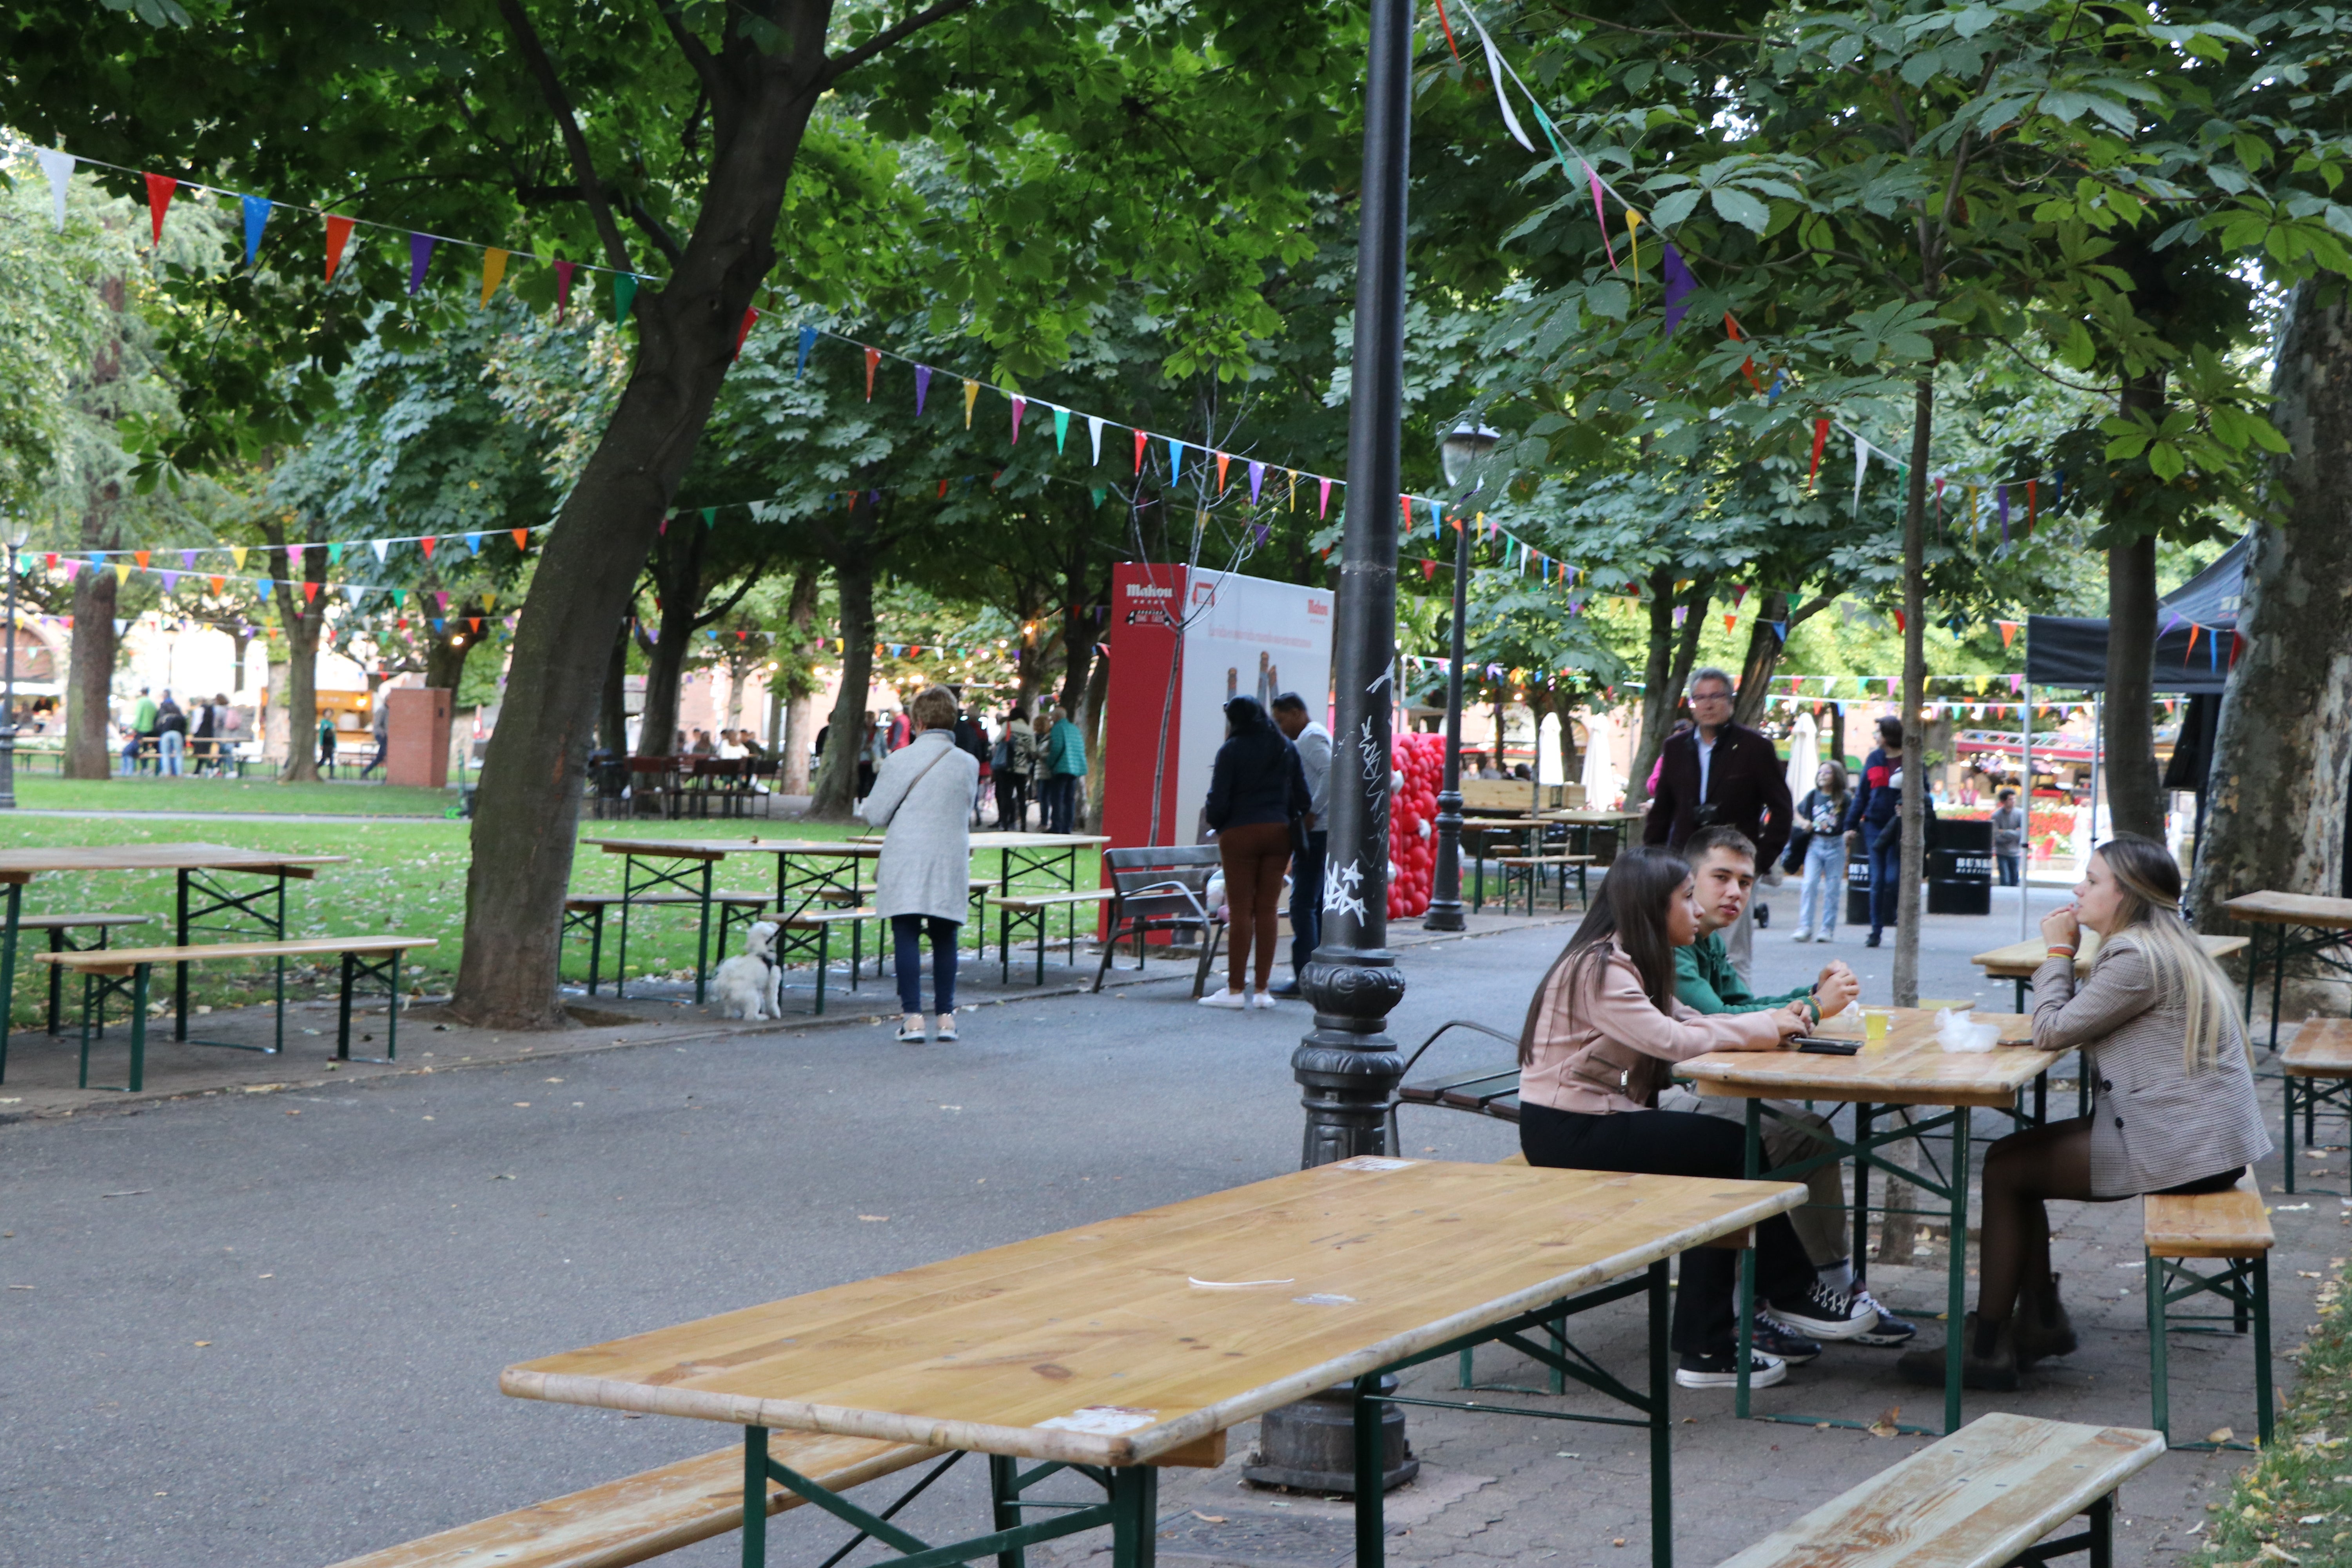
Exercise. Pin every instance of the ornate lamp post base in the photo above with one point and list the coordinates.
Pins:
(1315, 1439)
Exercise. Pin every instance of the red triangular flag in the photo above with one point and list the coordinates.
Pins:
(310, 592)
(1428, 569)
(744, 330)
(427, 544)
(1821, 435)
(159, 198)
(1139, 451)
(522, 539)
(873, 360)
(339, 233)
(943, 489)
(1223, 459)
(562, 287)
(1899, 626)
(474, 622)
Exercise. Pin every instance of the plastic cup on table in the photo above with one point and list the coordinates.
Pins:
(1875, 1025)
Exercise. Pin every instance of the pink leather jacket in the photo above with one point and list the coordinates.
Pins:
(1614, 1055)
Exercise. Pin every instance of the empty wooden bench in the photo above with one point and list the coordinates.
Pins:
(646, 1516)
(1027, 912)
(124, 971)
(583, 913)
(1530, 869)
(2317, 1065)
(2230, 1227)
(807, 937)
(1982, 1498)
(60, 928)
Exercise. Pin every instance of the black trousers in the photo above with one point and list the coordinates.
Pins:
(1306, 899)
(1678, 1144)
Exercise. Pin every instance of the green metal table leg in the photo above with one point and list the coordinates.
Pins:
(1372, 1498)
(1135, 1517)
(2260, 1279)
(2159, 1395)
(138, 1028)
(392, 1010)
(280, 965)
(595, 947)
(1752, 1157)
(702, 935)
(2103, 1532)
(1955, 1296)
(2278, 983)
(1861, 1255)
(2287, 1083)
(755, 1497)
(343, 1012)
(1661, 1479)
(9, 969)
(180, 972)
(1005, 1497)
(628, 891)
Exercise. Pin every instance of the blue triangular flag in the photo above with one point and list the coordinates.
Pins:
(1175, 459)
(257, 213)
(808, 341)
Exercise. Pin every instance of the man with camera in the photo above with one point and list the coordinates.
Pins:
(1722, 774)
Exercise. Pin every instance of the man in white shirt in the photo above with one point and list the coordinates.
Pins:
(1314, 745)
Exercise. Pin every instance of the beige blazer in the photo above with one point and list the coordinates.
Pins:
(1610, 1052)
(2152, 1125)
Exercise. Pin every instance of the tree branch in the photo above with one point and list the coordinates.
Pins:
(1809, 608)
(584, 166)
(896, 32)
(714, 81)
(733, 599)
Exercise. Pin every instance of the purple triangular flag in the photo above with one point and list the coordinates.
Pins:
(420, 253)
(170, 581)
(188, 559)
(922, 387)
(1680, 286)
(1257, 477)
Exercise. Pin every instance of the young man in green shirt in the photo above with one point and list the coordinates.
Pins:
(1723, 868)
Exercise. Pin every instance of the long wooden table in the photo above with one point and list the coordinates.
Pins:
(1907, 1069)
(2019, 960)
(2299, 923)
(1140, 1341)
(203, 903)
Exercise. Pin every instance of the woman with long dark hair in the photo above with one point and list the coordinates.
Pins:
(1600, 1036)
(1258, 793)
(2172, 1101)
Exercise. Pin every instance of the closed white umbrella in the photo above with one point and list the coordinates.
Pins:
(1601, 785)
(1803, 760)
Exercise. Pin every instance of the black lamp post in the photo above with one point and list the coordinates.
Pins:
(1460, 449)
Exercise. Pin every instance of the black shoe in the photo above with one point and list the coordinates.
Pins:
(1763, 916)
(1722, 1371)
(1891, 1331)
(2042, 1329)
(1826, 1312)
(1994, 1370)
(1285, 988)
(1781, 1341)
(1871, 940)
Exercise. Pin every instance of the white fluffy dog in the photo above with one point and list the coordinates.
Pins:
(751, 983)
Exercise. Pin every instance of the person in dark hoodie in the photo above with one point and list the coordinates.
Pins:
(1873, 823)
(1257, 791)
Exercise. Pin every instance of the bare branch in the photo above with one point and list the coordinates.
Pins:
(584, 166)
(896, 33)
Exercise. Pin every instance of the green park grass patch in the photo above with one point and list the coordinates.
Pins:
(2295, 1505)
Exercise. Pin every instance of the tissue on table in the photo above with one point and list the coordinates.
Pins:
(1955, 1030)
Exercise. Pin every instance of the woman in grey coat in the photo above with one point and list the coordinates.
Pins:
(923, 794)
(2172, 1102)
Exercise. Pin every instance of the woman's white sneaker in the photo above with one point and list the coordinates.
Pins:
(1233, 999)
(1261, 999)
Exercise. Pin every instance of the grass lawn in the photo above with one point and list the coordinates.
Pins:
(2295, 1505)
(406, 875)
(206, 795)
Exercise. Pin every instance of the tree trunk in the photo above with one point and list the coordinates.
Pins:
(800, 708)
(89, 708)
(613, 706)
(527, 810)
(1764, 645)
(445, 662)
(1097, 699)
(657, 734)
(300, 615)
(836, 780)
(2283, 759)
(2135, 787)
(1671, 654)
(1915, 688)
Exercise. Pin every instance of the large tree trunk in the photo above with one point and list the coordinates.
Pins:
(1671, 654)
(657, 734)
(612, 708)
(1915, 689)
(445, 662)
(2135, 787)
(302, 616)
(89, 706)
(792, 748)
(2282, 759)
(527, 810)
(1763, 655)
(836, 779)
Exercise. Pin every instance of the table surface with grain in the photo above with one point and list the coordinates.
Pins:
(2290, 909)
(2019, 960)
(1907, 1068)
(1129, 1338)
(1590, 818)
(24, 864)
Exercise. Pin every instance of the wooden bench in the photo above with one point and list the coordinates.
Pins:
(646, 1516)
(584, 912)
(1530, 869)
(59, 928)
(124, 972)
(1028, 911)
(2229, 1227)
(2317, 1068)
(808, 935)
(1982, 1498)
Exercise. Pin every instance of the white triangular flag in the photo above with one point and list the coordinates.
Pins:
(59, 167)
(1094, 429)
(381, 546)
(1861, 464)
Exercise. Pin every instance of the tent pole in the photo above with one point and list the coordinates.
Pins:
(2098, 734)
(2025, 845)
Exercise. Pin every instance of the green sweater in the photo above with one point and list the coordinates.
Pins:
(1704, 982)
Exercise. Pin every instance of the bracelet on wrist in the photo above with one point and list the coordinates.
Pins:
(2062, 950)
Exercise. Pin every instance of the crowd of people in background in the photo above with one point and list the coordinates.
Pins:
(161, 737)
(1035, 758)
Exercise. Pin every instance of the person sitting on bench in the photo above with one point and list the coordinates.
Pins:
(1723, 868)
(2172, 1103)
(1600, 1031)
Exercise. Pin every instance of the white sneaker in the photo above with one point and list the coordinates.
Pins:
(1233, 999)
(1261, 999)
(1801, 936)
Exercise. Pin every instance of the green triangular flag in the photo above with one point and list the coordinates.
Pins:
(710, 517)
(624, 294)
(1099, 496)
(1061, 427)
(334, 553)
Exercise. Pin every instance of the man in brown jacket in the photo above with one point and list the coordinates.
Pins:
(1722, 774)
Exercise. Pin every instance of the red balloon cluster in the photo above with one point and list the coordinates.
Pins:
(1419, 762)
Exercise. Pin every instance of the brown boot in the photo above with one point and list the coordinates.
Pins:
(2042, 1329)
(1986, 1360)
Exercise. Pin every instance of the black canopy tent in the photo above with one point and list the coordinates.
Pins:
(2196, 625)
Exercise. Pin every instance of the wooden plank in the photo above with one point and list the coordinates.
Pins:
(2267, 909)
(809, 919)
(646, 1516)
(1178, 1321)
(122, 960)
(2209, 1225)
(2321, 1048)
(1975, 1500)
(72, 922)
(18, 864)
(1543, 859)
(663, 848)
(1907, 1068)
(612, 900)
(2020, 960)
(1000, 840)
(1031, 901)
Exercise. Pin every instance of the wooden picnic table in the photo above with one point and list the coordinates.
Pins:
(2019, 960)
(2299, 923)
(1143, 1340)
(203, 904)
(1907, 1069)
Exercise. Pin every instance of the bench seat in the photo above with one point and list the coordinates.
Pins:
(1028, 912)
(1976, 1499)
(2321, 1048)
(2231, 1227)
(59, 928)
(2208, 1224)
(123, 960)
(645, 1516)
(75, 922)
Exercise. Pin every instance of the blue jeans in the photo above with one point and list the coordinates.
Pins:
(1825, 885)
(906, 944)
(2008, 870)
(173, 745)
(1060, 798)
(1307, 900)
(1885, 845)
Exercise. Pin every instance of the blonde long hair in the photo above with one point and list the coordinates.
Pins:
(2149, 880)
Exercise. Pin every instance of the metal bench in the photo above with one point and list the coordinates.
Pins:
(60, 941)
(808, 935)
(1529, 870)
(1984, 1497)
(124, 971)
(2317, 1068)
(584, 913)
(1486, 1091)
(2231, 1227)
(1159, 888)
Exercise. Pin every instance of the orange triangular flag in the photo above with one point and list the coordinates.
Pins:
(1222, 459)
(873, 360)
(338, 232)
(2008, 632)
(218, 583)
(141, 557)
(522, 539)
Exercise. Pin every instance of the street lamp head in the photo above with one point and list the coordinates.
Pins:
(1462, 448)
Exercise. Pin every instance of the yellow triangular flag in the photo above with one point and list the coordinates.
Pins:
(971, 396)
(1633, 221)
(494, 266)
(121, 572)
(1294, 489)
(237, 556)
(489, 600)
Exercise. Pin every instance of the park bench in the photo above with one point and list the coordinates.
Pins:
(645, 1516)
(1487, 1091)
(2231, 1227)
(1160, 887)
(583, 913)
(808, 936)
(1982, 1498)
(124, 972)
(1027, 912)
(2317, 1068)
(60, 928)
(1530, 869)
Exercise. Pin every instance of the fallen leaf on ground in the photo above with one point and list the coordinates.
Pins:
(1208, 1517)
(2220, 1434)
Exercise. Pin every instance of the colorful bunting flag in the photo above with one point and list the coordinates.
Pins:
(624, 297)
(1680, 286)
(1020, 406)
(922, 386)
(420, 256)
(873, 363)
(971, 396)
(564, 270)
(59, 167)
(257, 215)
(159, 201)
(1061, 430)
